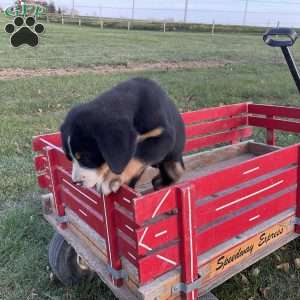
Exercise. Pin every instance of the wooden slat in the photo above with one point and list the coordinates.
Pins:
(44, 181)
(40, 163)
(187, 217)
(297, 227)
(125, 197)
(53, 138)
(127, 249)
(86, 230)
(245, 171)
(93, 218)
(224, 205)
(215, 126)
(214, 113)
(153, 205)
(270, 123)
(274, 110)
(61, 161)
(111, 237)
(167, 259)
(224, 231)
(124, 223)
(157, 234)
(201, 142)
(54, 184)
(92, 200)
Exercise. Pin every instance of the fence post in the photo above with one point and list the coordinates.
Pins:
(213, 28)
(102, 24)
(164, 27)
(79, 22)
(62, 19)
(186, 213)
(128, 25)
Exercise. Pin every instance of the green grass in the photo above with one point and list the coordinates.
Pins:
(72, 46)
(38, 105)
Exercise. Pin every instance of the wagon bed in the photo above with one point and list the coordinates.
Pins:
(234, 205)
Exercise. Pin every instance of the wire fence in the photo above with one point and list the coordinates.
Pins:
(266, 13)
(76, 46)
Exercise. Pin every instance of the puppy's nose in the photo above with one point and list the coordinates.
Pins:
(78, 182)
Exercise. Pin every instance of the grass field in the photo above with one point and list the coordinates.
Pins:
(72, 46)
(30, 106)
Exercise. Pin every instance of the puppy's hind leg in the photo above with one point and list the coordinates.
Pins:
(135, 179)
(170, 172)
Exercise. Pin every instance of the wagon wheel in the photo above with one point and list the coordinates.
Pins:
(66, 265)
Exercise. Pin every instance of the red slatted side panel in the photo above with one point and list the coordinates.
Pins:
(87, 197)
(212, 126)
(245, 171)
(157, 234)
(38, 142)
(62, 161)
(158, 263)
(215, 126)
(153, 205)
(275, 124)
(244, 221)
(270, 121)
(273, 110)
(89, 215)
(128, 250)
(226, 204)
(297, 227)
(214, 113)
(210, 140)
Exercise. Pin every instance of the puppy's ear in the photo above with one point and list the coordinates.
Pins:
(117, 143)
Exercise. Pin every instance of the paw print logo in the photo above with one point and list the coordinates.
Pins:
(24, 31)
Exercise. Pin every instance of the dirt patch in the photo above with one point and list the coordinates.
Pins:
(11, 73)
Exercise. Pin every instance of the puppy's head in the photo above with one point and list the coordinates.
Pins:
(96, 145)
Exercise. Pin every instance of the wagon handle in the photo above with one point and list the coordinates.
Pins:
(289, 34)
(272, 38)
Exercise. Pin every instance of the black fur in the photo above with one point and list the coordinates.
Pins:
(106, 129)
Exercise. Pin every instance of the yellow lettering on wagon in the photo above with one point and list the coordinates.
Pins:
(246, 249)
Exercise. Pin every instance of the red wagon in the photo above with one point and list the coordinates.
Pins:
(235, 204)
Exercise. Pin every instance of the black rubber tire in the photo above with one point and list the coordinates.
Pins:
(63, 262)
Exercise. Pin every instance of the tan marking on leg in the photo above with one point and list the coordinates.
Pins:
(133, 169)
(112, 182)
(174, 170)
(152, 133)
(103, 170)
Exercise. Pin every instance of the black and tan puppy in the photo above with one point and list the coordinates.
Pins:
(112, 139)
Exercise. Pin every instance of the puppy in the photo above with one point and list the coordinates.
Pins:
(112, 139)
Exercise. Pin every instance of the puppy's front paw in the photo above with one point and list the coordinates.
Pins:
(115, 185)
(111, 186)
